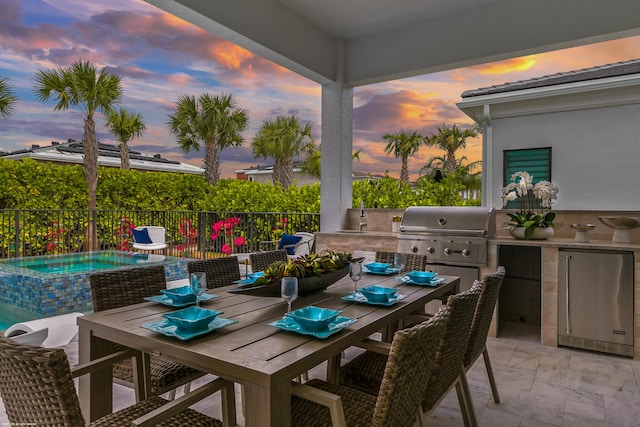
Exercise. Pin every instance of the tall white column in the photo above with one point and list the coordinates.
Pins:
(337, 147)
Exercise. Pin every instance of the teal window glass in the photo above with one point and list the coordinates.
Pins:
(536, 161)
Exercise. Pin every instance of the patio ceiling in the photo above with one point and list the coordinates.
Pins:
(368, 41)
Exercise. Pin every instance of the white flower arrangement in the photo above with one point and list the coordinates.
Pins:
(534, 199)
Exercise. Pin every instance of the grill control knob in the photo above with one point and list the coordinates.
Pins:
(466, 252)
(414, 249)
(430, 249)
(447, 251)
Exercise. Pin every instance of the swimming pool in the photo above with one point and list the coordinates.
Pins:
(58, 284)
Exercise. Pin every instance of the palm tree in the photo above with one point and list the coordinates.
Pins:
(450, 139)
(214, 121)
(125, 126)
(283, 139)
(311, 165)
(8, 98)
(403, 144)
(81, 85)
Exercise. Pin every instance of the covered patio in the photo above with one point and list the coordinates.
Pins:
(345, 44)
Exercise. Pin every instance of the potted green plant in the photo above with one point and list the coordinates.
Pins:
(533, 220)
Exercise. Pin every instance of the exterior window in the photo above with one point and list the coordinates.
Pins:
(536, 161)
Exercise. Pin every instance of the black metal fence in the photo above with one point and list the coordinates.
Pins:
(190, 234)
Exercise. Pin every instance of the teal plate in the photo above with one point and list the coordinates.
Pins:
(390, 270)
(288, 324)
(167, 328)
(433, 283)
(163, 299)
(362, 299)
(246, 281)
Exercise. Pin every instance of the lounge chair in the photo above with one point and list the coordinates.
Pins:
(149, 238)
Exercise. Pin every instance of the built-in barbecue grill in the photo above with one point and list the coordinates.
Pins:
(454, 238)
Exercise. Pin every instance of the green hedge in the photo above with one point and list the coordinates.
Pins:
(27, 184)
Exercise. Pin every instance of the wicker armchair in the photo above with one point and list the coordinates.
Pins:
(220, 271)
(120, 288)
(414, 261)
(480, 327)
(37, 388)
(365, 372)
(407, 369)
(261, 260)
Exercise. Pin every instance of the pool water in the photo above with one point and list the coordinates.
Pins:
(49, 285)
(80, 262)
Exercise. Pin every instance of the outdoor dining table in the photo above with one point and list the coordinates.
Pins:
(262, 358)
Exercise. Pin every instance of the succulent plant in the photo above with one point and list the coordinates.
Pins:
(304, 266)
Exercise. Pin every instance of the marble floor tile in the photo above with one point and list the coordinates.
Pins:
(539, 387)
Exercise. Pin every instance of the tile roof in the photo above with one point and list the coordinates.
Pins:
(594, 73)
(108, 155)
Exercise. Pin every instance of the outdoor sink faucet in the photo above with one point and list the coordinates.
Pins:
(363, 223)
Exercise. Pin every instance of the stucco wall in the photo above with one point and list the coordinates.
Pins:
(595, 151)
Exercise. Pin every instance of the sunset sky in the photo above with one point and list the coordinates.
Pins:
(161, 57)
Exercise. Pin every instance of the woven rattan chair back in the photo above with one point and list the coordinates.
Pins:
(414, 261)
(447, 366)
(261, 260)
(480, 327)
(120, 288)
(408, 369)
(220, 271)
(37, 387)
(484, 312)
(116, 289)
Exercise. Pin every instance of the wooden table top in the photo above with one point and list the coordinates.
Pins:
(251, 351)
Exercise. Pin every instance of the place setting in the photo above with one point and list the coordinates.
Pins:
(192, 321)
(421, 278)
(183, 296)
(249, 279)
(376, 295)
(315, 321)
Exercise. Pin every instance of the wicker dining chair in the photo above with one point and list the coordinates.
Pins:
(480, 327)
(37, 389)
(114, 289)
(407, 369)
(220, 271)
(261, 260)
(365, 372)
(414, 261)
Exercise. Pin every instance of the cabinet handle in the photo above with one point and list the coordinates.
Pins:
(567, 258)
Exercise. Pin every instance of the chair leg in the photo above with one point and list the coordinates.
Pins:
(492, 379)
(465, 401)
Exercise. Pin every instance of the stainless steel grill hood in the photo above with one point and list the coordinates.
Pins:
(475, 221)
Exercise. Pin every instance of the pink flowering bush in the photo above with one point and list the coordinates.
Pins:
(279, 229)
(227, 229)
(124, 234)
(189, 236)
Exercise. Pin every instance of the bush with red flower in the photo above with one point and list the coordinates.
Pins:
(189, 237)
(279, 229)
(124, 234)
(227, 228)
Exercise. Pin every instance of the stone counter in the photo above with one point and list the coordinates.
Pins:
(352, 240)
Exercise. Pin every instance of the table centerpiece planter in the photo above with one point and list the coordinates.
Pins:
(315, 272)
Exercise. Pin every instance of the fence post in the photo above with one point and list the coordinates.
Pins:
(17, 243)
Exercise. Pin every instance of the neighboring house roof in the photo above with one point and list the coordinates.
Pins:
(600, 72)
(268, 170)
(108, 155)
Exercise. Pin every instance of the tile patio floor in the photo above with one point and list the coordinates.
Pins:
(539, 386)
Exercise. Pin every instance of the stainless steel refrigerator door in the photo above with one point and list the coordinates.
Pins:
(599, 286)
